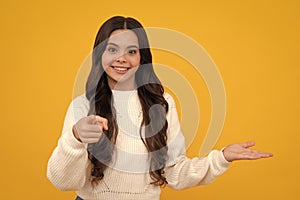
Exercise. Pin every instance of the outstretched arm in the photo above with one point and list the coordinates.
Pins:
(242, 151)
(182, 172)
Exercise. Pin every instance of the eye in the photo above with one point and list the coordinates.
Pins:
(132, 51)
(111, 49)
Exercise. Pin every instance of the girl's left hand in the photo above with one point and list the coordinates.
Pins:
(242, 151)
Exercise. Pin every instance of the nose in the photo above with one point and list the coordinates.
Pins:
(121, 59)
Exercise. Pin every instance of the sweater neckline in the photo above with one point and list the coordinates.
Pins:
(124, 95)
(124, 91)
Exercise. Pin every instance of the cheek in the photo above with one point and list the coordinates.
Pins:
(136, 61)
(106, 59)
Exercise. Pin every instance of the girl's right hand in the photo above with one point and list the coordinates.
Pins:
(89, 129)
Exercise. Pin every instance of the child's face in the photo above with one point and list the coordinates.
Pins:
(121, 59)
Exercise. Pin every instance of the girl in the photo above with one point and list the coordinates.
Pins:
(122, 138)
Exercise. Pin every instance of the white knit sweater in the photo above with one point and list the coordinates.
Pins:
(128, 176)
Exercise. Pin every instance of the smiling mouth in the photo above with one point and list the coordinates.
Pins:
(120, 69)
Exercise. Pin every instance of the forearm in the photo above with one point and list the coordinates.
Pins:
(197, 171)
(68, 163)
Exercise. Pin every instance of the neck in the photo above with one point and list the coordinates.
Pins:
(118, 88)
(122, 86)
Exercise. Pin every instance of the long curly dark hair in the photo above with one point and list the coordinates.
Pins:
(150, 92)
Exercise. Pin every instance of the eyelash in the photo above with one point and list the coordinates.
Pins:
(111, 49)
(132, 51)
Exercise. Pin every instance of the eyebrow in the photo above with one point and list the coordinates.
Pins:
(130, 46)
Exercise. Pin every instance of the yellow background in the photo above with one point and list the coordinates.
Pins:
(255, 45)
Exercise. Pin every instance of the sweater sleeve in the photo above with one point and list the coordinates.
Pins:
(67, 165)
(182, 172)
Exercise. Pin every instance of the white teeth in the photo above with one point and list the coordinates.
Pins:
(120, 68)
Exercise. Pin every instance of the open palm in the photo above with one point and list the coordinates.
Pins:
(242, 151)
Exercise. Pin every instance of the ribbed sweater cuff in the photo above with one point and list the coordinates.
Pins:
(71, 141)
(222, 160)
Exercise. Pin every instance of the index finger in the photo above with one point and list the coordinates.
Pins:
(103, 121)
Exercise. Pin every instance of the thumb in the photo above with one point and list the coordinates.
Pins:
(91, 119)
(248, 144)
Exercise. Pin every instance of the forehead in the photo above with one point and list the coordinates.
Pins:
(123, 38)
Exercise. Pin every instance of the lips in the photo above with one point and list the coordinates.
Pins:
(120, 69)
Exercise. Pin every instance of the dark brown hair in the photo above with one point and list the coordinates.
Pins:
(150, 92)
